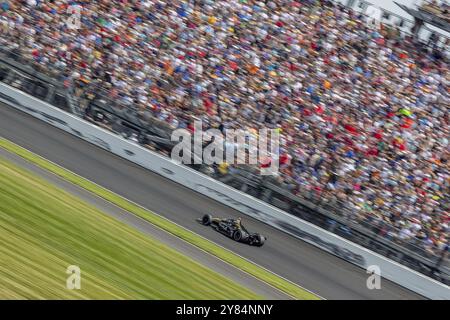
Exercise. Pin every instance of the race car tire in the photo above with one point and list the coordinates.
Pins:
(237, 235)
(261, 240)
(206, 220)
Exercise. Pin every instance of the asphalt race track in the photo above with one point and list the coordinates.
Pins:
(310, 267)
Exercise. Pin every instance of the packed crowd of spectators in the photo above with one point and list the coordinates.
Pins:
(363, 113)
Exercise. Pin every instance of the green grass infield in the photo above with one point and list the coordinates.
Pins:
(44, 230)
(163, 223)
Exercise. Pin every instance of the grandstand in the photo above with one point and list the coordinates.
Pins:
(363, 107)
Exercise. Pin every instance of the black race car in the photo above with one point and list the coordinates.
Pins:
(234, 229)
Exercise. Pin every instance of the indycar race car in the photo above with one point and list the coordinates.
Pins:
(233, 229)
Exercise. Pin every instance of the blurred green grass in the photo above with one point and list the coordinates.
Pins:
(163, 223)
(43, 230)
